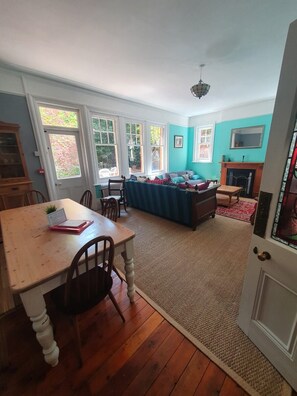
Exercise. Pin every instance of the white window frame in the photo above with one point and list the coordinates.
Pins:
(198, 143)
(163, 144)
(142, 144)
(116, 144)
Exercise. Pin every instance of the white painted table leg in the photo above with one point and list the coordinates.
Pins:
(129, 268)
(35, 307)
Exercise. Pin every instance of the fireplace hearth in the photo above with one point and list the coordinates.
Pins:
(242, 178)
(244, 174)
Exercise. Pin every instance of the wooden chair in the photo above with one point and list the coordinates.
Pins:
(117, 190)
(86, 199)
(34, 197)
(88, 282)
(110, 210)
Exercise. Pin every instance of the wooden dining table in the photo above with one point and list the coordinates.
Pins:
(37, 258)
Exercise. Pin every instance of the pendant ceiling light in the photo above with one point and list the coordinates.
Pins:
(201, 88)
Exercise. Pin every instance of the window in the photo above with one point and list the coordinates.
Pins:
(61, 125)
(58, 117)
(65, 155)
(134, 140)
(156, 147)
(203, 144)
(104, 136)
(284, 228)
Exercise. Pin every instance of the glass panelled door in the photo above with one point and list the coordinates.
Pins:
(62, 138)
(268, 307)
(65, 157)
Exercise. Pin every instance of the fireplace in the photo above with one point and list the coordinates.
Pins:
(242, 178)
(244, 174)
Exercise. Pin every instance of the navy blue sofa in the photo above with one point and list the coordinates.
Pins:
(187, 207)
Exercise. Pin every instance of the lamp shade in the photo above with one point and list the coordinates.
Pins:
(200, 89)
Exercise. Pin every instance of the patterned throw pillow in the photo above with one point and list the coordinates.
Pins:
(177, 179)
(157, 181)
(203, 186)
(186, 177)
(141, 178)
(185, 185)
(195, 177)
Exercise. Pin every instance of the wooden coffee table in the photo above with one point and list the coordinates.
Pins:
(230, 191)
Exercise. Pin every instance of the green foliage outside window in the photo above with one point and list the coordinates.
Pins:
(105, 143)
(106, 157)
(58, 117)
(65, 156)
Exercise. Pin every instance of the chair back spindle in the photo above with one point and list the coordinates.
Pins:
(110, 208)
(86, 199)
(34, 197)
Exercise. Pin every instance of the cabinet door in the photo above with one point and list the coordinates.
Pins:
(11, 165)
(13, 195)
(12, 162)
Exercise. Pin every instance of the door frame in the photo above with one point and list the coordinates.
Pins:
(41, 142)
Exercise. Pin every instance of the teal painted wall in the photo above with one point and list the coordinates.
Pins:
(177, 157)
(222, 146)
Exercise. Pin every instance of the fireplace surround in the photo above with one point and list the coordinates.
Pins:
(245, 174)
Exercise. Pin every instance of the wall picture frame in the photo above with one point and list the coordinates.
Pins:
(178, 141)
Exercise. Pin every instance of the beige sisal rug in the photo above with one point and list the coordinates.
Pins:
(195, 279)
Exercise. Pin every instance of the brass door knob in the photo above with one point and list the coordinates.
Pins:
(262, 256)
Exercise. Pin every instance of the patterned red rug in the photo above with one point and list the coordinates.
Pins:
(241, 210)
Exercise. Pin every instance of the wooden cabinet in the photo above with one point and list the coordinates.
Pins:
(14, 181)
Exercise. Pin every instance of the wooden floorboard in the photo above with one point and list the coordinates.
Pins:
(145, 355)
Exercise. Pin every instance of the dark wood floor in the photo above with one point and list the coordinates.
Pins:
(145, 355)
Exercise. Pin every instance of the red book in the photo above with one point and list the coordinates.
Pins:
(76, 226)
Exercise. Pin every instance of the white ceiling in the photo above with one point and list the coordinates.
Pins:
(149, 51)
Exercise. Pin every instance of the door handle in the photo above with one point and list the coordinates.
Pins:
(263, 255)
(58, 184)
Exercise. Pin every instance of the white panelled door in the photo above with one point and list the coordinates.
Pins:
(268, 308)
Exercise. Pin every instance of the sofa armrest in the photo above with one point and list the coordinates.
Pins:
(204, 204)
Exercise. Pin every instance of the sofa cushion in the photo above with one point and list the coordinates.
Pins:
(203, 186)
(157, 181)
(195, 177)
(141, 179)
(177, 179)
(185, 185)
